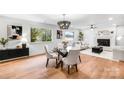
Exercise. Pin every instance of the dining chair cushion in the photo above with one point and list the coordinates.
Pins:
(72, 58)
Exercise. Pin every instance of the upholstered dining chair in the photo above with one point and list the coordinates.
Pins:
(50, 55)
(71, 60)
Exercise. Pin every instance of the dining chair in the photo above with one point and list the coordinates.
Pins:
(71, 60)
(50, 55)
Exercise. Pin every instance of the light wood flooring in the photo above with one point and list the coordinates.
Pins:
(34, 68)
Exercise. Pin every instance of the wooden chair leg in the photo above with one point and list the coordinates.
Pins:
(68, 69)
(61, 65)
(56, 62)
(47, 62)
(58, 56)
(79, 58)
(76, 67)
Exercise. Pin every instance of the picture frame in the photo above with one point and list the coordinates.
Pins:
(59, 34)
(41, 35)
(14, 32)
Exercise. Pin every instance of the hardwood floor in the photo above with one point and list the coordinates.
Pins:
(34, 68)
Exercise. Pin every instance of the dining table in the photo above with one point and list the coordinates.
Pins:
(63, 52)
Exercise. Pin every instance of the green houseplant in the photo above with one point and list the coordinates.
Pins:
(81, 35)
(3, 41)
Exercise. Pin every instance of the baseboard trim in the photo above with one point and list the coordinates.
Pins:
(3, 61)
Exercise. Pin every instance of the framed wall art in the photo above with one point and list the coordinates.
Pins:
(41, 34)
(14, 32)
(59, 34)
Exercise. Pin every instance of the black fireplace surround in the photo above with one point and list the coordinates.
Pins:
(103, 42)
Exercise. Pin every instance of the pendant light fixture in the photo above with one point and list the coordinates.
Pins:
(64, 24)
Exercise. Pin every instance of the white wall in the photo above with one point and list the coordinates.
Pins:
(35, 48)
(120, 33)
(90, 37)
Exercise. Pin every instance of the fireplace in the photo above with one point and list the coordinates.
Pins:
(103, 42)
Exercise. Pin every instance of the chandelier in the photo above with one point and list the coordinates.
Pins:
(64, 24)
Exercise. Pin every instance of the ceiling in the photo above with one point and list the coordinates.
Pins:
(77, 20)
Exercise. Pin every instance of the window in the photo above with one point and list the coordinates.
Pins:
(69, 35)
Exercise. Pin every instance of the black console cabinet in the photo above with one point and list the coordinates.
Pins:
(13, 53)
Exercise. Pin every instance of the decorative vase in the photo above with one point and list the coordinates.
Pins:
(3, 47)
(65, 45)
(23, 45)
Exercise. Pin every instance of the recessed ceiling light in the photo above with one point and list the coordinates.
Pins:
(110, 18)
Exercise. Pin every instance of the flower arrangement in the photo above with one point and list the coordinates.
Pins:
(65, 42)
(3, 41)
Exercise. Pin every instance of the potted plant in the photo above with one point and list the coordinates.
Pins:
(24, 42)
(81, 35)
(3, 41)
